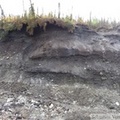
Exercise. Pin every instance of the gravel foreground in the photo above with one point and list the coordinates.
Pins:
(58, 102)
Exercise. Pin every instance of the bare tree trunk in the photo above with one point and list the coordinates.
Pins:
(58, 10)
(2, 12)
(23, 6)
(90, 18)
(32, 10)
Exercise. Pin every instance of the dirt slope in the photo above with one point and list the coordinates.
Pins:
(56, 75)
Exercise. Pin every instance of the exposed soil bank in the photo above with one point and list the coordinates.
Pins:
(56, 75)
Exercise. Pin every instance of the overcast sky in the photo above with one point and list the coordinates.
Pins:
(109, 9)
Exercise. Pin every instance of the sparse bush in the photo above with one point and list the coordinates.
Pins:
(103, 23)
(31, 20)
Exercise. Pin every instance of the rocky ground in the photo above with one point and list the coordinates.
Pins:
(57, 75)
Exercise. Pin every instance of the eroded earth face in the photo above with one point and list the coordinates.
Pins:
(57, 75)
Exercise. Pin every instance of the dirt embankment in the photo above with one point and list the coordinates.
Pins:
(60, 75)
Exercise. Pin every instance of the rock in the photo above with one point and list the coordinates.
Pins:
(10, 101)
(76, 116)
(12, 110)
(21, 100)
(7, 57)
(51, 106)
(25, 113)
(117, 103)
(112, 104)
(18, 116)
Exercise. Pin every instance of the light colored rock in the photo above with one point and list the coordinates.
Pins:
(51, 106)
(21, 100)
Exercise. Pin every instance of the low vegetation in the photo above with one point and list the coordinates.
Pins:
(29, 21)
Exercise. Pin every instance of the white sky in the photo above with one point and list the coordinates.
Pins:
(109, 9)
